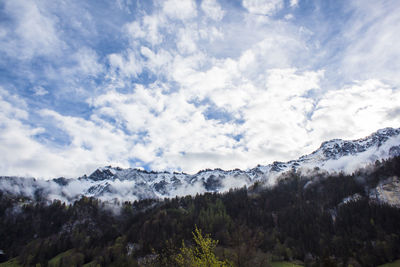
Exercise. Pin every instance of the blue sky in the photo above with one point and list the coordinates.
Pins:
(184, 85)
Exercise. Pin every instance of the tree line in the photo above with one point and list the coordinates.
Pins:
(301, 218)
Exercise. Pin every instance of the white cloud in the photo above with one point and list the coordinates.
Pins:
(355, 111)
(172, 125)
(98, 139)
(126, 65)
(285, 83)
(372, 50)
(85, 62)
(289, 16)
(187, 41)
(12, 105)
(276, 127)
(211, 34)
(88, 62)
(212, 9)
(40, 91)
(294, 3)
(264, 7)
(91, 144)
(21, 154)
(155, 61)
(268, 97)
(180, 9)
(148, 29)
(189, 141)
(35, 31)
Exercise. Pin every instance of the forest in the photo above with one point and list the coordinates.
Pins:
(303, 219)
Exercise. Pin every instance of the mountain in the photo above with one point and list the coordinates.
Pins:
(114, 183)
(319, 220)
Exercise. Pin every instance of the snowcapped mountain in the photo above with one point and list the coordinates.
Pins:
(343, 155)
(114, 183)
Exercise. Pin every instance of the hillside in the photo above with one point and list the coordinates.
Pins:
(317, 220)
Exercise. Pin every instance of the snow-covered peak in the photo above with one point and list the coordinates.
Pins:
(115, 183)
(332, 150)
(337, 148)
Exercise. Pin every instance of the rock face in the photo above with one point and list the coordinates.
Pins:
(114, 183)
(387, 191)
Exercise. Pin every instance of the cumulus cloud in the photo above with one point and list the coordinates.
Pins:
(355, 110)
(91, 144)
(21, 154)
(126, 64)
(147, 29)
(180, 9)
(212, 9)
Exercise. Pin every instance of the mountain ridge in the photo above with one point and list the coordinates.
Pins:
(115, 183)
(381, 133)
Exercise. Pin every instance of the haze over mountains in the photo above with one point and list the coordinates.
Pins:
(114, 183)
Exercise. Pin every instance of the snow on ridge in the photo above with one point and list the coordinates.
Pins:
(115, 183)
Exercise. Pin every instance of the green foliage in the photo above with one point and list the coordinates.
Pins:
(11, 263)
(67, 258)
(200, 255)
(392, 264)
(214, 216)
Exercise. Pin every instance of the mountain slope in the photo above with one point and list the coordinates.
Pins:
(114, 183)
(333, 221)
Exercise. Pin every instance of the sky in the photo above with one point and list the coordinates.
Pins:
(185, 85)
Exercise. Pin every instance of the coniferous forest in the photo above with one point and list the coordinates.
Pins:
(302, 219)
